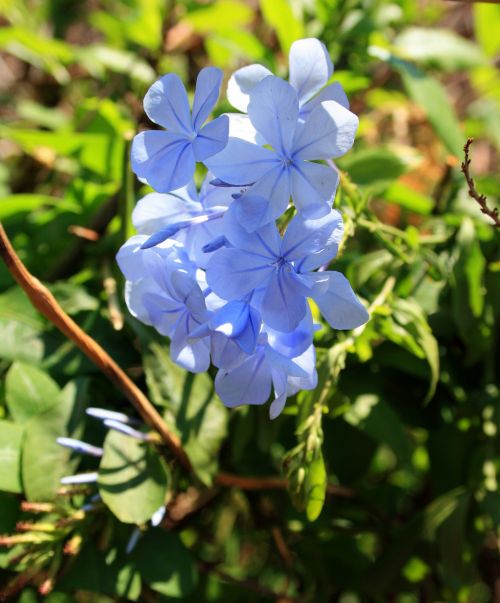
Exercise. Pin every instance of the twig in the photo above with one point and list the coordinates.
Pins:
(480, 199)
(272, 483)
(43, 300)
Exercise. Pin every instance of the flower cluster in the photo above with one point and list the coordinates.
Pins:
(210, 269)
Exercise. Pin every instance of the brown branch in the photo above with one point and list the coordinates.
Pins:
(480, 199)
(272, 483)
(43, 300)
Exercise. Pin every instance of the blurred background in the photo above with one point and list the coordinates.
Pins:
(409, 450)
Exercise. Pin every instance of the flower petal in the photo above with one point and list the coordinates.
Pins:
(232, 273)
(280, 387)
(284, 304)
(241, 162)
(305, 238)
(249, 383)
(266, 200)
(273, 110)
(166, 103)
(130, 258)
(266, 242)
(313, 188)
(242, 82)
(207, 91)
(333, 92)
(193, 356)
(212, 138)
(240, 126)
(157, 210)
(339, 305)
(310, 67)
(226, 353)
(328, 132)
(165, 160)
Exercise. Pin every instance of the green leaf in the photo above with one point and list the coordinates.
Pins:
(373, 167)
(487, 26)
(469, 273)
(44, 462)
(194, 410)
(410, 199)
(133, 479)
(279, 15)
(316, 483)
(109, 572)
(11, 436)
(21, 327)
(27, 202)
(165, 564)
(427, 92)
(219, 16)
(73, 298)
(440, 48)
(411, 317)
(28, 391)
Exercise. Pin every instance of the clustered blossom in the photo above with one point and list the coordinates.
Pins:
(210, 270)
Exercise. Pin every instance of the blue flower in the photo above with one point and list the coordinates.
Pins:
(185, 216)
(282, 270)
(289, 167)
(166, 160)
(252, 381)
(310, 70)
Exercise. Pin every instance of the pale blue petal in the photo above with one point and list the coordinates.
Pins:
(310, 67)
(307, 363)
(165, 160)
(304, 238)
(333, 92)
(240, 126)
(211, 139)
(284, 304)
(216, 196)
(158, 210)
(280, 393)
(191, 355)
(313, 188)
(249, 383)
(242, 82)
(231, 319)
(247, 339)
(266, 200)
(134, 296)
(266, 242)
(294, 343)
(232, 273)
(163, 311)
(340, 306)
(226, 353)
(327, 133)
(241, 162)
(166, 103)
(130, 258)
(207, 90)
(273, 110)
(188, 291)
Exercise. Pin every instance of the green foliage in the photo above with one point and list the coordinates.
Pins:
(133, 479)
(391, 464)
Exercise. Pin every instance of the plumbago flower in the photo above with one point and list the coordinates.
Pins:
(167, 160)
(210, 270)
(289, 168)
(310, 70)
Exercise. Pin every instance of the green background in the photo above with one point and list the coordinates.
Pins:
(392, 461)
